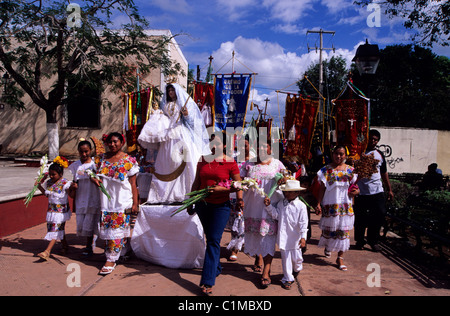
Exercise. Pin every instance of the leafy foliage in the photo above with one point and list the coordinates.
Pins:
(38, 47)
(430, 19)
(411, 82)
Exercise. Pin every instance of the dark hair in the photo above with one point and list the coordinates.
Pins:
(374, 132)
(168, 98)
(57, 168)
(115, 134)
(83, 143)
(339, 147)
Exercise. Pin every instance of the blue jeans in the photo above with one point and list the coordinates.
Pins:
(214, 218)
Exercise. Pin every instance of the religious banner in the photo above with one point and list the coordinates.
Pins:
(204, 97)
(300, 121)
(231, 99)
(137, 109)
(352, 122)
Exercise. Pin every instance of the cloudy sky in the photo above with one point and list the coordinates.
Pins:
(270, 37)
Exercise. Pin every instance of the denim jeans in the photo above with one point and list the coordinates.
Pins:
(214, 218)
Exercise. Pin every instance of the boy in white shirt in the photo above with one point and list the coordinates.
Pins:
(292, 217)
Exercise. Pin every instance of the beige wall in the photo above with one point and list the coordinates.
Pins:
(411, 150)
(24, 132)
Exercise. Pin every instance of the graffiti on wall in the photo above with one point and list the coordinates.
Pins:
(390, 161)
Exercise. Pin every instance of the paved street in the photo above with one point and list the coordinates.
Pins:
(22, 273)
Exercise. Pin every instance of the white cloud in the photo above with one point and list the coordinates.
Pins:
(337, 6)
(277, 69)
(288, 11)
(236, 9)
(178, 6)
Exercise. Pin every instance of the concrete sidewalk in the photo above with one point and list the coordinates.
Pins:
(22, 273)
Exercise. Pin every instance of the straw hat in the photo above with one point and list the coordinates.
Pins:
(291, 185)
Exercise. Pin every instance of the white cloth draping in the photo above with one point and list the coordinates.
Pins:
(180, 138)
(175, 242)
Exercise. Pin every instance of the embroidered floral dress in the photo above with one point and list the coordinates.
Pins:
(58, 211)
(114, 223)
(260, 228)
(337, 208)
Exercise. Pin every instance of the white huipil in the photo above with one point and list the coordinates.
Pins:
(87, 199)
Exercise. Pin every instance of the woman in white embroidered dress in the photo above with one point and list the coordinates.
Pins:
(179, 134)
(117, 171)
(335, 202)
(260, 228)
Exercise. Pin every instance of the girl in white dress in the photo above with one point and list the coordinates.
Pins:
(117, 171)
(179, 134)
(57, 189)
(335, 203)
(260, 228)
(87, 196)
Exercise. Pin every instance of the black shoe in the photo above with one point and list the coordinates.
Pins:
(359, 246)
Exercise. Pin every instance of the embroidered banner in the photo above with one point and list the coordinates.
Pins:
(204, 97)
(137, 108)
(352, 123)
(300, 121)
(231, 99)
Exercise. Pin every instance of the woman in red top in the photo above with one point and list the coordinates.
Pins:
(214, 211)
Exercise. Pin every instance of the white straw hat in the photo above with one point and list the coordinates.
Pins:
(291, 185)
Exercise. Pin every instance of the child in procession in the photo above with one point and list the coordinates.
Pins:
(292, 217)
(87, 197)
(57, 189)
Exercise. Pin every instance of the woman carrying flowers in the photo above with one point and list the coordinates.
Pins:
(117, 172)
(260, 228)
(335, 204)
(214, 210)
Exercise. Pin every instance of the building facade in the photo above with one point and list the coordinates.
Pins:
(22, 133)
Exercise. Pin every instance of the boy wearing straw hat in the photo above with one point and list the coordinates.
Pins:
(292, 217)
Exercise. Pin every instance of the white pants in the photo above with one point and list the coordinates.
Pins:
(292, 261)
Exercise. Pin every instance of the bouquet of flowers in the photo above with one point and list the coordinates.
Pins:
(200, 195)
(93, 175)
(43, 170)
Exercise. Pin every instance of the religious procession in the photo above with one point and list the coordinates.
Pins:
(167, 166)
(195, 168)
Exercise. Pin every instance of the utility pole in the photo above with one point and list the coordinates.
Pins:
(265, 110)
(321, 48)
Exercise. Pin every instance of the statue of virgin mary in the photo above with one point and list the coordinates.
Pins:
(177, 131)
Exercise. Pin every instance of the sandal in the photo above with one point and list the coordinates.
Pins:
(327, 253)
(105, 270)
(287, 285)
(265, 283)
(233, 258)
(256, 268)
(342, 267)
(206, 290)
(44, 255)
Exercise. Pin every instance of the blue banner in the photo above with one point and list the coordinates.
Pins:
(231, 99)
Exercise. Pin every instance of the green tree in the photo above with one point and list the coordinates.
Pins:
(42, 43)
(334, 75)
(410, 88)
(430, 19)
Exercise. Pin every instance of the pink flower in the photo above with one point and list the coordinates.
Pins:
(225, 184)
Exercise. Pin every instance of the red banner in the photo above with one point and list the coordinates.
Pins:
(204, 94)
(300, 121)
(352, 123)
